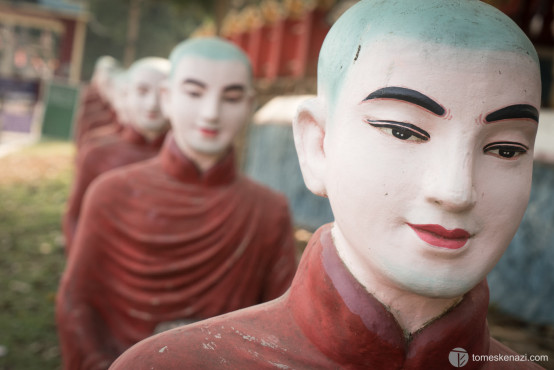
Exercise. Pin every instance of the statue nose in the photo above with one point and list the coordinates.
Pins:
(210, 109)
(450, 182)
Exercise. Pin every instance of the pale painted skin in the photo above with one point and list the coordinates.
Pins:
(208, 101)
(102, 78)
(378, 183)
(143, 101)
(118, 98)
(103, 83)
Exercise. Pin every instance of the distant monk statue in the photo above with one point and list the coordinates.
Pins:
(141, 138)
(182, 236)
(422, 137)
(94, 108)
(117, 99)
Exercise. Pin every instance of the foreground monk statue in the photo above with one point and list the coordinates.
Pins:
(422, 137)
(140, 139)
(183, 235)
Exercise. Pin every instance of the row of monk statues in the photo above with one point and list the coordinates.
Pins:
(421, 136)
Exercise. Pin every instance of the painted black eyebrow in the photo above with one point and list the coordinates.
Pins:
(234, 87)
(194, 82)
(408, 95)
(513, 112)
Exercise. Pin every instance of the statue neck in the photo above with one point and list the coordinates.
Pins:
(202, 161)
(412, 311)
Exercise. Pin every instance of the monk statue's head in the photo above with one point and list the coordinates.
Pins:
(118, 95)
(209, 97)
(422, 137)
(145, 78)
(101, 76)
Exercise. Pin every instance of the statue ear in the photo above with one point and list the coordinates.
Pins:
(309, 134)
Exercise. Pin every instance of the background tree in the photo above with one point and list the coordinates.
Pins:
(162, 24)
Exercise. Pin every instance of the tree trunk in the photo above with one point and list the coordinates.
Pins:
(133, 24)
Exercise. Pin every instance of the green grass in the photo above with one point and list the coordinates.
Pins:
(33, 191)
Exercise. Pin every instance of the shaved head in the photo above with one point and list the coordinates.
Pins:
(467, 24)
(212, 48)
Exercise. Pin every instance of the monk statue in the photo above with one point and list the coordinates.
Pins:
(94, 108)
(182, 236)
(140, 139)
(117, 99)
(422, 137)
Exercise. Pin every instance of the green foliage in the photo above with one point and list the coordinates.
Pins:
(163, 23)
(162, 26)
(32, 258)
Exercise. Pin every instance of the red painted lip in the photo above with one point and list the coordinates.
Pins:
(209, 132)
(438, 236)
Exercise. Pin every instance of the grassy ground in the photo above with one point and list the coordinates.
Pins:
(33, 190)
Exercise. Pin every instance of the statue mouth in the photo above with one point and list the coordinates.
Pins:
(153, 115)
(208, 132)
(438, 236)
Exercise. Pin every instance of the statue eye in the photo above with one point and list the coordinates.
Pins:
(194, 93)
(505, 150)
(192, 90)
(142, 90)
(401, 130)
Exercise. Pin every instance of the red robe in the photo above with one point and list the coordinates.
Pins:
(93, 112)
(327, 320)
(102, 154)
(98, 134)
(94, 120)
(159, 241)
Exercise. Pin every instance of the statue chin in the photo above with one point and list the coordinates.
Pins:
(152, 126)
(432, 282)
(442, 289)
(209, 148)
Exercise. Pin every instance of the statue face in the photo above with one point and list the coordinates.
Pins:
(119, 100)
(103, 82)
(143, 99)
(208, 102)
(427, 162)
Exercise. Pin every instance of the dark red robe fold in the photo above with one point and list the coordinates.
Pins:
(101, 155)
(327, 320)
(159, 241)
(94, 120)
(93, 112)
(98, 134)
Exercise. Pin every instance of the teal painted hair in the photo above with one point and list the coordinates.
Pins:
(210, 48)
(469, 24)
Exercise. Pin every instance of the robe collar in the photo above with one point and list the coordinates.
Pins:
(176, 164)
(351, 326)
(132, 136)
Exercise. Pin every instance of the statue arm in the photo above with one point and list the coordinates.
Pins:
(85, 339)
